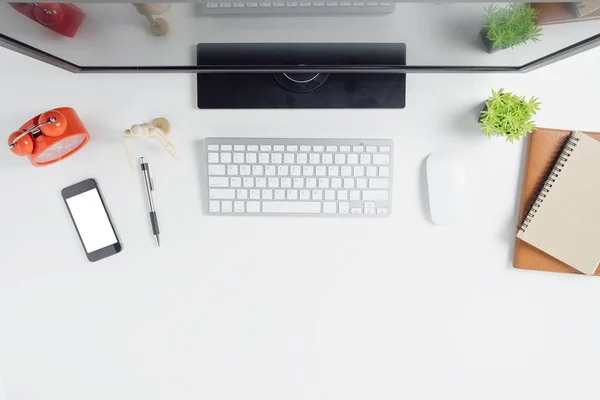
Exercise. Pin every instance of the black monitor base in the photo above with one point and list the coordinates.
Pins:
(334, 90)
(240, 75)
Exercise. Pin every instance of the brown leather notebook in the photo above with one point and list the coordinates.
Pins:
(556, 13)
(545, 145)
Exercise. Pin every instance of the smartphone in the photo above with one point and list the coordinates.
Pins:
(92, 220)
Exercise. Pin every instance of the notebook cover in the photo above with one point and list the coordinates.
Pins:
(545, 145)
(556, 13)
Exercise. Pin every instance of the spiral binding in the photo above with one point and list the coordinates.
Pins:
(560, 164)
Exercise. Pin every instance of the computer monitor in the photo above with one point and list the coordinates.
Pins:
(290, 37)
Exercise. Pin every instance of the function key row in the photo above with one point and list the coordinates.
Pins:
(301, 148)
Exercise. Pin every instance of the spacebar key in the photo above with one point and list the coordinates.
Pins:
(296, 207)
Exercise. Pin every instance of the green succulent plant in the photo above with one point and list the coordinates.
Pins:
(508, 115)
(512, 25)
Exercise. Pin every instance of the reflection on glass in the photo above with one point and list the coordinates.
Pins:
(447, 34)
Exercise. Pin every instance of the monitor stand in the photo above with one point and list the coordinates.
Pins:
(264, 90)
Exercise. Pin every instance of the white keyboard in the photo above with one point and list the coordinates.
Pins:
(296, 8)
(299, 176)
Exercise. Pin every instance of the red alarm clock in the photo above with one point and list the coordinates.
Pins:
(49, 137)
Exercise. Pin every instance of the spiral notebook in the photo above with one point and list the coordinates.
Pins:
(564, 220)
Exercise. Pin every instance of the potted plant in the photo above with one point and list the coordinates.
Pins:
(508, 115)
(509, 26)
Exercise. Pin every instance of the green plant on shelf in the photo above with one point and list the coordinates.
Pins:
(508, 115)
(511, 26)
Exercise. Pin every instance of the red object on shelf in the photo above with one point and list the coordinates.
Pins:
(62, 18)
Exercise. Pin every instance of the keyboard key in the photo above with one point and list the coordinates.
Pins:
(279, 194)
(226, 206)
(245, 170)
(252, 147)
(238, 206)
(359, 171)
(278, 147)
(305, 194)
(226, 147)
(321, 171)
(344, 207)
(267, 194)
(356, 211)
(295, 170)
(251, 158)
(365, 159)
(348, 183)
(227, 194)
(239, 147)
(292, 194)
(332, 149)
(382, 211)
(381, 159)
(305, 148)
(288, 158)
(283, 170)
(255, 194)
(346, 171)
(323, 183)
(286, 182)
(354, 195)
(308, 170)
(302, 158)
(298, 182)
(317, 194)
(371, 149)
(345, 149)
(225, 158)
(216, 170)
(336, 183)
(214, 206)
(292, 148)
(314, 158)
(333, 170)
(248, 182)
(235, 182)
(270, 170)
(253, 206)
(384, 171)
(265, 147)
(295, 207)
(311, 183)
(276, 158)
(342, 195)
(358, 149)
(264, 158)
(330, 194)
(385, 149)
(242, 194)
(340, 158)
(379, 183)
(371, 171)
(329, 207)
(361, 183)
(352, 158)
(319, 148)
(375, 195)
(232, 170)
(218, 182)
(258, 170)
(213, 147)
(327, 158)
(369, 211)
(213, 158)
(261, 182)
(273, 182)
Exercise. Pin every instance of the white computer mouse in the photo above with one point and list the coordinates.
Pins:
(447, 186)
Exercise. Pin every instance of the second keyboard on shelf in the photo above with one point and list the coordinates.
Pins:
(298, 176)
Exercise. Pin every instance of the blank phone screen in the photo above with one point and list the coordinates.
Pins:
(91, 220)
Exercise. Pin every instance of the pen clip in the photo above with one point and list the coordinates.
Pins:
(150, 177)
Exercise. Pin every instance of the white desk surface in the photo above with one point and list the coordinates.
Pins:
(285, 308)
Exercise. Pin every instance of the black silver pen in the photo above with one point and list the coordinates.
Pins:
(149, 182)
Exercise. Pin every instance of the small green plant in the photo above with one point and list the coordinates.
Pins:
(508, 115)
(511, 26)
